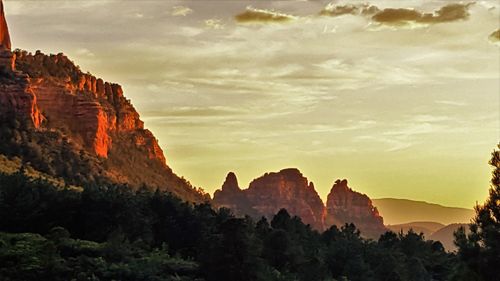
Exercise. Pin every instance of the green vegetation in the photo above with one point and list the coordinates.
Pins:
(50, 230)
(40, 65)
(112, 233)
(480, 249)
(49, 152)
(53, 155)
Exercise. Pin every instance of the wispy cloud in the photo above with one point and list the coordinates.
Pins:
(451, 102)
(214, 24)
(181, 11)
(334, 10)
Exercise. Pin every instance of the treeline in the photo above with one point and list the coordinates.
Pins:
(113, 233)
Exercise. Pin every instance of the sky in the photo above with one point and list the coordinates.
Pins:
(399, 97)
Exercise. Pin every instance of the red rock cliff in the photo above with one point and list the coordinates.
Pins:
(91, 110)
(93, 115)
(268, 194)
(347, 206)
(16, 93)
(4, 31)
(289, 189)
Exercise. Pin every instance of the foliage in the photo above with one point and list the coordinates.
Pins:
(108, 232)
(480, 249)
(40, 65)
(49, 152)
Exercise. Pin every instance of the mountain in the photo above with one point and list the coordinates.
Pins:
(398, 211)
(432, 231)
(71, 124)
(425, 227)
(347, 206)
(289, 189)
(266, 195)
(4, 30)
(445, 235)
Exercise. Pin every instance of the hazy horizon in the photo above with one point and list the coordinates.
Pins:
(402, 109)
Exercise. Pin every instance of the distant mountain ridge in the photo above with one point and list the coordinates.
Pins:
(427, 228)
(446, 237)
(432, 231)
(391, 210)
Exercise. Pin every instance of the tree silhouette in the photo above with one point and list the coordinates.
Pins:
(480, 250)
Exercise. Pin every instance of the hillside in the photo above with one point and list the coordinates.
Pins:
(400, 211)
(68, 124)
(432, 231)
(445, 235)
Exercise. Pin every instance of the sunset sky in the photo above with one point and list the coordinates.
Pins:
(399, 97)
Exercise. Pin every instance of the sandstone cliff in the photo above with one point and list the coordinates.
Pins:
(91, 117)
(289, 189)
(347, 206)
(268, 194)
(4, 31)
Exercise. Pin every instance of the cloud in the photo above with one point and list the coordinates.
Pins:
(399, 17)
(495, 37)
(339, 10)
(194, 111)
(214, 24)
(84, 52)
(181, 11)
(451, 102)
(253, 15)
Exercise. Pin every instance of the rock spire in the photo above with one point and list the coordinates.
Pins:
(4, 30)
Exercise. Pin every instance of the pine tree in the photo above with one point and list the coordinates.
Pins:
(480, 250)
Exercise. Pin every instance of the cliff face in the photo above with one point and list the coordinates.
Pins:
(289, 189)
(91, 109)
(232, 197)
(91, 117)
(94, 115)
(347, 206)
(17, 96)
(268, 194)
(4, 30)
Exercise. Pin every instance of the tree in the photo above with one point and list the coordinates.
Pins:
(480, 250)
(233, 254)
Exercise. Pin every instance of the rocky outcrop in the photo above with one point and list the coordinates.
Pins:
(17, 98)
(16, 94)
(232, 197)
(268, 194)
(344, 205)
(4, 30)
(89, 108)
(93, 116)
(290, 190)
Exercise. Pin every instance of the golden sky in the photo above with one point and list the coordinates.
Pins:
(399, 97)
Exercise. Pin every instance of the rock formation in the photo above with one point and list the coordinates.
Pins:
(93, 114)
(232, 197)
(4, 30)
(347, 206)
(289, 189)
(17, 95)
(268, 194)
